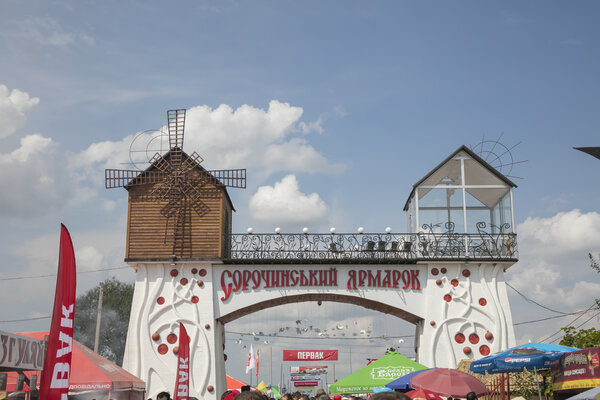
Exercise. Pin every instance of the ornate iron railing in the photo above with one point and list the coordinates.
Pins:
(374, 247)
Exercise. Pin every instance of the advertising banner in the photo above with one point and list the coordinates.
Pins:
(304, 377)
(577, 370)
(310, 355)
(321, 370)
(57, 365)
(21, 352)
(182, 386)
(306, 384)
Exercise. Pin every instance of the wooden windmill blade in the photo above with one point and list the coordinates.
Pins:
(235, 178)
(118, 178)
(176, 120)
(176, 125)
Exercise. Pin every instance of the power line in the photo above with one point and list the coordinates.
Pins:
(535, 302)
(53, 275)
(547, 318)
(27, 319)
(320, 337)
(578, 326)
(570, 323)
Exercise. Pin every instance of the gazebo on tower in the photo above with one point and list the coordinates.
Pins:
(445, 274)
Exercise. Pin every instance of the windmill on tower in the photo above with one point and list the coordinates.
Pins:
(176, 207)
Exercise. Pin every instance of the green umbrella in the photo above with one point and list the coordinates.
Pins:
(377, 374)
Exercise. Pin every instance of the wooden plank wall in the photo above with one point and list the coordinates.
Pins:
(147, 226)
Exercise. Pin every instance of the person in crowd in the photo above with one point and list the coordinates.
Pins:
(225, 394)
(471, 396)
(286, 396)
(337, 397)
(229, 394)
(389, 396)
(163, 396)
(250, 396)
(320, 391)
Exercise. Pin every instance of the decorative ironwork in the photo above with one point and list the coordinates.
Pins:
(374, 247)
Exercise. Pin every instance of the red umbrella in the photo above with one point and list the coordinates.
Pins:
(448, 382)
(423, 394)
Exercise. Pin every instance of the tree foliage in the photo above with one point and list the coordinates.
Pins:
(523, 384)
(583, 338)
(116, 306)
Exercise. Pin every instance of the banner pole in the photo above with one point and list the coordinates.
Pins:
(271, 364)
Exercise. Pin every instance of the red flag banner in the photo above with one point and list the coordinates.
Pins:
(182, 386)
(257, 361)
(57, 365)
(310, 355)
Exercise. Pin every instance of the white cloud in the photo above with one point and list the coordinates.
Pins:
(47, 32)
(252, 137)
(553, 268)
(284, 203)
(564, 232)
(89, 258)
(13, 105)
(340, 111)
(39, 179)
(315, 126)
(247, 137)
(32, 173)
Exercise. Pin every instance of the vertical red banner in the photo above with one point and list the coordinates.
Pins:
(257, 361)
(57, 365)
(182, 386)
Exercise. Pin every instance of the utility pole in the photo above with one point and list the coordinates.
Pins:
(271, 364)
(350, 359)
(98, 320)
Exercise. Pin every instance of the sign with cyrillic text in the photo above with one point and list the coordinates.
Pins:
(310, 355)
(21, 352)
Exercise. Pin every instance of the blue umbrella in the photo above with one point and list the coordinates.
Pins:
(403, 383)
(530, 356)
(382, 389)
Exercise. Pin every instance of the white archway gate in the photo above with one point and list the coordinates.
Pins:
(445, 274)
(460, 309)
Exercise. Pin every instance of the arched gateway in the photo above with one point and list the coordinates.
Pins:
(445, 274)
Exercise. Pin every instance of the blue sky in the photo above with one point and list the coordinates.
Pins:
(338, 108)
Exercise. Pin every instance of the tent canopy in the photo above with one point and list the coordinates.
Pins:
(89, 371)
(376, 374)
(233, 383)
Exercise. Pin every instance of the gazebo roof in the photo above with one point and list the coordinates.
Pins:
(471, 154)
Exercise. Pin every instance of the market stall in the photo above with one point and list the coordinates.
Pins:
(92, 377)
(575, 372)
(377, 374)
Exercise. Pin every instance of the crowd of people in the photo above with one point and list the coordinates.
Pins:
(320, 395)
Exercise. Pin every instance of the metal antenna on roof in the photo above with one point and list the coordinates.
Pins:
(498, 155)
